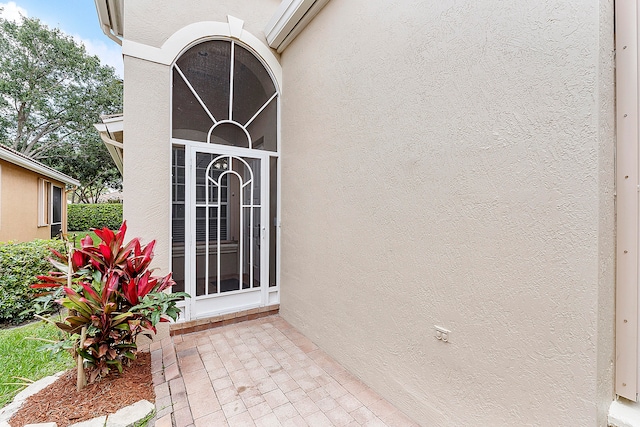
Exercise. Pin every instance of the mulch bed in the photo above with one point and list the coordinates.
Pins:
(61, 403)
(5, 325)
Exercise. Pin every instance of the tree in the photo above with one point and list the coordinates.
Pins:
(86, 158)
(51, 90)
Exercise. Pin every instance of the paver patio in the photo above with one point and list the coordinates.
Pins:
(260, 372)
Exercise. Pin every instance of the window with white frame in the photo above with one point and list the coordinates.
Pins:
(44, 202)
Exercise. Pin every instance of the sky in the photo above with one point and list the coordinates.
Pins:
(77, 18)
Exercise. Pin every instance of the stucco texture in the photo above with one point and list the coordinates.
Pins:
(451, 164)
(147, 161)
(19, 204)
(152, 22)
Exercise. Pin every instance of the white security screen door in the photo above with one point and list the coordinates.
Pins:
(228, 270)
(225, 165)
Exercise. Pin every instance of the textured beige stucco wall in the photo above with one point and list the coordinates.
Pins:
(451, 163)
(154, 21)
(147, 159)
(606, 188)
(19, 204)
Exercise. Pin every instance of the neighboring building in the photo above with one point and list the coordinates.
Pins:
(33, 198)
(384, 168)
(111, 197)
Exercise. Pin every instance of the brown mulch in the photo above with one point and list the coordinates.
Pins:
(61, 403)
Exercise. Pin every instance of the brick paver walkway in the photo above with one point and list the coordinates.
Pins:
(259, 373)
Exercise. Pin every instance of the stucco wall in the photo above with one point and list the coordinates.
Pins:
(147, 160)
(153, 21)
(19, 204)
(452, 164)
(606, 188)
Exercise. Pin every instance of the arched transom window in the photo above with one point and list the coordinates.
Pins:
(223, 94)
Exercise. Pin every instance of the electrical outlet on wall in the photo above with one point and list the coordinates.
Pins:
(442, 334)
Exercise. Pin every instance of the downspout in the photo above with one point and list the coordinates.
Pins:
(109, 33)
(110, 20)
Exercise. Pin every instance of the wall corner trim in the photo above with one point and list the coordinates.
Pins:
(291, 17)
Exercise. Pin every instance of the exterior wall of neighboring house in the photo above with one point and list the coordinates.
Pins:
(451, 164)
(442, 164)
(147, 105)
(19, 204)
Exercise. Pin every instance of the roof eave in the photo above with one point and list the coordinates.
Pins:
(291, 17)
(111, 19)
(37, 167)
(108, 128)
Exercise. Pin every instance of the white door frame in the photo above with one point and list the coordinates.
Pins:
(233, 301)
(627, 379)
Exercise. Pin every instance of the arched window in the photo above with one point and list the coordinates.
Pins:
(223, 94)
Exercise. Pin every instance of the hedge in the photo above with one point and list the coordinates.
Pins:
(82, 217)
(20, 263)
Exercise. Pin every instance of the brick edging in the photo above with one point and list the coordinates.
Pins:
(164, 368)
(222, 320)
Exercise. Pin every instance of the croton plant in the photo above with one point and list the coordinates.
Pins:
(109, 291)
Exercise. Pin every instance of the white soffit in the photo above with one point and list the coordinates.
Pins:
(291, 17)
(109, 126)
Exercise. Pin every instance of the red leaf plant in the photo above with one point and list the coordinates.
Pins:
(113, 295)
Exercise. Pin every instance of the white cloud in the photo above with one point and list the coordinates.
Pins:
(109, 54)
(12, 12)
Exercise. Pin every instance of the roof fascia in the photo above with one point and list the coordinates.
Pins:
(291, 17)
(37, 167)
(109, 126)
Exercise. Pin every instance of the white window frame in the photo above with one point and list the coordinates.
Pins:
(51, 207)
(45, 207)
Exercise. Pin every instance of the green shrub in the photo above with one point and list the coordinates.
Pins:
(112, 299)
(20, 263)
(82, 217)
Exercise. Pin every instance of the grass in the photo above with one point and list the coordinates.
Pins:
(145, 421)
(22, 357)
(81, 235)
